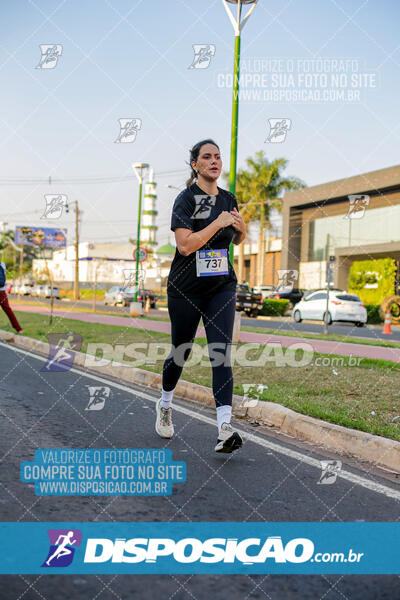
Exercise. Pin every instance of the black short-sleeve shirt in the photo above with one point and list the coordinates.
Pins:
(194, 209)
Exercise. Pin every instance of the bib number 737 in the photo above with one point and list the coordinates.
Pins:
(212, 262)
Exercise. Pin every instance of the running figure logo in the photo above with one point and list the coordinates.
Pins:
(54, 206)
(358, 204)
(202, 55)
(98, 396)
(50, 55)
(63, 543)
(204, 205)
(287, 280)
(130, 278)
(128, 130)
(256, 389)
(278, 129)
(62, 351)
(330, 470)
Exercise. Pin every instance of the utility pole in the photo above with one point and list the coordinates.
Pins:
(21, 261)
(329, 280)
(261, 249)
(4, 240)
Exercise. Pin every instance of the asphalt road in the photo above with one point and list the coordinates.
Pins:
(273, 478)
(372, 332)
(284, 324)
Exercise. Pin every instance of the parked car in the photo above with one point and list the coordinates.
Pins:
(294, 295)
(266, 291)
(119, 295)
(46, 292)
(248, 300)
(25, 289)
(342, 307)
(37, 291)
(308, 292)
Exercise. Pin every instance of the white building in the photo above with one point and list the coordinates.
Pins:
(109, 264)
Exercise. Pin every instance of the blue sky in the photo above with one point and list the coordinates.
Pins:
(130, 59)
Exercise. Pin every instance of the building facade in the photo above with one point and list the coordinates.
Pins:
(357, 218)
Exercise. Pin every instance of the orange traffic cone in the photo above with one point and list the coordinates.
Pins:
(387, 329)
(147, 307)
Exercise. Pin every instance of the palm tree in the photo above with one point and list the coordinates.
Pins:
(259, 189)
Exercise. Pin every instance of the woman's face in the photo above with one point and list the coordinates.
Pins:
(209, 163)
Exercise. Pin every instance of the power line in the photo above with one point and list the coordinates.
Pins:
(82, 180)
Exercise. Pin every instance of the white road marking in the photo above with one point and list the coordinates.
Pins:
(313, 462)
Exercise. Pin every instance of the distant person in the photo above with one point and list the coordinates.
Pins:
(4, 300)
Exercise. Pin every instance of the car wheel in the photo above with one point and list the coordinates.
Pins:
(329, 318)
(105, 303)
(359, 324)
(297, 316)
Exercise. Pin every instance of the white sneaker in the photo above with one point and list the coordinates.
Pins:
(164, 426)
(228, 439)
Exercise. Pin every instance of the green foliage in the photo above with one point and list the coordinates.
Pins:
(373, 313)
(259, 187)
(381, 272)
(273, 307)
(84, 294)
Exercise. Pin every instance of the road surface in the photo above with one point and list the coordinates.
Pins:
(273, 478)
(371, 332)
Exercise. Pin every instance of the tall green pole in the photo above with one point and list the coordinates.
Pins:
(234, 130)
(138, 240)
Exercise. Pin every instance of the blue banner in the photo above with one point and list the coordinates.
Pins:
(103, 472)
(200, 548)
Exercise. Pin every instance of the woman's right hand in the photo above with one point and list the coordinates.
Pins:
(225, 219)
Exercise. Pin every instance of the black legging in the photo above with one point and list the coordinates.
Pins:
(218, 314)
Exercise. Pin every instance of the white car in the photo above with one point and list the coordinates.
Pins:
(37, 291)
(342, 307)
(25, 289)
(45, 292)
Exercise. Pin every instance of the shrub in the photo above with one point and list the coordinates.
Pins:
(372, 280)
(274, 307)
(373, 315)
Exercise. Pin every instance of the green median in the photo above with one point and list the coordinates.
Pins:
(360, 393)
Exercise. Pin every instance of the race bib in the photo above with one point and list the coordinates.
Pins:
(212, 262)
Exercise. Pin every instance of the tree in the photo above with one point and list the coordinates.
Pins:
(259, 189)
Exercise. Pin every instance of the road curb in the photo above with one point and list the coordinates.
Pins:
(375, 449)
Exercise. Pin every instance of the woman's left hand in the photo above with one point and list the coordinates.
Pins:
(238, 223)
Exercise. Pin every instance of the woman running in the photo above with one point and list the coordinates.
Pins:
(202, 283)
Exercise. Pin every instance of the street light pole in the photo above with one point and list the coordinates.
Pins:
(139, 169)
(237, 26)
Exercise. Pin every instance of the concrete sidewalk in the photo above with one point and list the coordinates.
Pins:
(322, 346)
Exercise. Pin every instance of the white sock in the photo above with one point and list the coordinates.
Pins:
(166, 398)
(224, 415)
